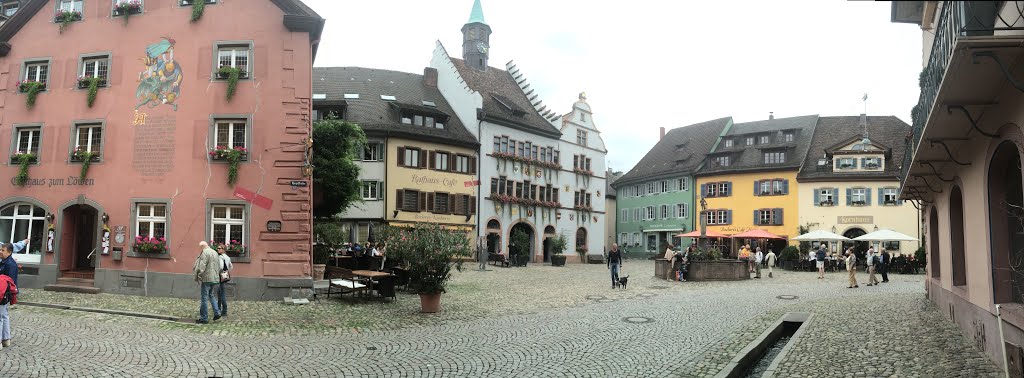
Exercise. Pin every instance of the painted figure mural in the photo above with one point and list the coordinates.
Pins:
(160, 82)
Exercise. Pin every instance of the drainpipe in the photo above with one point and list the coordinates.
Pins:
(1002, 341)
(479, 173)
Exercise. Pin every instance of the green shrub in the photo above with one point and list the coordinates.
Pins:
(921, 255)
(790, 253)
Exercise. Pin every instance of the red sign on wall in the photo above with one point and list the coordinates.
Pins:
(253, 198)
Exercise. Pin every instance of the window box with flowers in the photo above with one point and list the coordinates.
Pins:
(93, 84)
(23, 160)
(859, 203)
(81, 155)
(526, 160)
(32, 89)
(871, 165)
(66, 17)
(232, 75)
(233, 156)
(234, 248)
(149, 245)
(127, 8)
(891, 202)
(583, 172)
(583, 208)
(826, 203)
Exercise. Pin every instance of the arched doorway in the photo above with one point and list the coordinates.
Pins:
(956, 236)
(493, 237)
(20, 221)
(528, 250)
(581, 238)
(549, 232)
(1006, 199)
(860, 248)
(933, 242)
(78, 242)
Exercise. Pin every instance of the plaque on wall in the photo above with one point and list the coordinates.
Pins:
(273, 226)
(119, 234)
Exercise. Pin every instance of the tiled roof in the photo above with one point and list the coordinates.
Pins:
(377, 116)
(609, 179)
(888, 131)
(680, 152)
(751, 158)
(503, 100)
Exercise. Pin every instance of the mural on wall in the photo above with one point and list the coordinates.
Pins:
(160, 82)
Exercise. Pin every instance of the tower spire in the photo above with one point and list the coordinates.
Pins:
(477, 15)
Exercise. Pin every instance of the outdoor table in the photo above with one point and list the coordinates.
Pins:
(370, 274)
(339, 258)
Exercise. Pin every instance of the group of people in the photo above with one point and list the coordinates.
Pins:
(757, 259)
(8, 276)
(370, 249)
(212, 270)
(874, 262)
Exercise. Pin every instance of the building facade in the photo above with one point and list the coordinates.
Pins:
(525, 181)
(419, 163)
(656, 198)
(749, 179)
(849, 183)
(963, 167)
(610, 206)
(159, 134)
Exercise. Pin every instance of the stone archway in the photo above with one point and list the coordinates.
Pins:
(530, 238)
(549, 232)
(860, 248)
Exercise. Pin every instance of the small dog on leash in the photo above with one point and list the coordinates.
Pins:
(623, 281)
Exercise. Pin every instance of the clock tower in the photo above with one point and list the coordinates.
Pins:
(476, 36)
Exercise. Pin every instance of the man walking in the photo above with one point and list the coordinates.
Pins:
(819, 258)
(884, 265)
(851, 266)
(207, 273)
(758, 258)
(614, 261)
(872, 261)
(9, 268)
(771, 262)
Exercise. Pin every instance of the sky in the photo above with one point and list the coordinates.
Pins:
(646, 64)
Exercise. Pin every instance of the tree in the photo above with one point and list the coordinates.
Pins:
(335, 175)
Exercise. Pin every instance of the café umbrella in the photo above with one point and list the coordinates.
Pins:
(707, 234)
(885, 235)
(821, 235)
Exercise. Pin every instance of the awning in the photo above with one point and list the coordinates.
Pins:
(707, 234)
(664, 230)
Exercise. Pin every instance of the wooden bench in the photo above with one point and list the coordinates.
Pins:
(497, 258)
(595, 259)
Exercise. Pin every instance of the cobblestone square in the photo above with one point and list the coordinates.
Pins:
(538, 321)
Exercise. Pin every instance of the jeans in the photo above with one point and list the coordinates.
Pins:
(5, 322)
(206, 294)
(222, 299)
(615, 274)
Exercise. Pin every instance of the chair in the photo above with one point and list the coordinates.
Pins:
(348, 282)
(385, 286)
(401, 277)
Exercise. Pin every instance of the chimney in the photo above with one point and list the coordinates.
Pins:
(430, 77)
(771, 115)
(662, 133)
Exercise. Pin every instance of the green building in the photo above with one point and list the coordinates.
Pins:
(655, 200)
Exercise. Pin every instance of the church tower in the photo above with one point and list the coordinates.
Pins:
(476, 36)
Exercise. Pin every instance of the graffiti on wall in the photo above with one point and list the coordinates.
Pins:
(160, 82)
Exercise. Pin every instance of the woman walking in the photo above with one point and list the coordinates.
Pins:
(851, 266)
(225, 276)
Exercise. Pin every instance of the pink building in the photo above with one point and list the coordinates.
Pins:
(155, 188)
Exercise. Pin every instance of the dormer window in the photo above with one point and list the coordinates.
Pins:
(387, 97)
(774, 157)
(764, 139)
(847, 163)
(728, 143)
(723, 161)
(324, 112)
(750, 141)
(871, 163)
(787, 137)
(421, 119)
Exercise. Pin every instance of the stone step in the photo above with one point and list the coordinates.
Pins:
(72, 289)
(75, 281)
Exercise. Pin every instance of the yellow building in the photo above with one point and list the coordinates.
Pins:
(850, 185)
(429, 184)
(749, 180)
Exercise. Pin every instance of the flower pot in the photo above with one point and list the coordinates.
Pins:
(430, 303)
(318, 271)
(557, 260)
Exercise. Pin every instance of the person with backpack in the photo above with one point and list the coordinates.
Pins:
(8, 281)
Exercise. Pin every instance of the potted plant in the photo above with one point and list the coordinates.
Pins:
(328, 237)
(86, 158)
(234, 248)
(66, 17)
(127, 8)
(519, 245)
(93, 84)
(23, 160)
(233, 157)
(429, 252)
(31, 88)
(145, 244)
(558, 245)
(231, 74)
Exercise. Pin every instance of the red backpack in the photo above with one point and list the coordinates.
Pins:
(10, 295)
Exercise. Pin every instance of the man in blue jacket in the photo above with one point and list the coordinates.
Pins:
(9, 268)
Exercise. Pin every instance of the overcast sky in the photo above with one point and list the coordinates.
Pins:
(646, 64)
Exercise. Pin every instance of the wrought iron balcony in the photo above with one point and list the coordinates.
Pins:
(957, 19)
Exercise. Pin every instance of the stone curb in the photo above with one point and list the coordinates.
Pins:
(110, 312)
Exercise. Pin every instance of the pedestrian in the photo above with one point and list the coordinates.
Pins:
(684, 265)
(884, 265)
(872, 261)
(225, 276)
(9, 268)
(745, 256)
(770, 260)
(207, 272)
(851, 266)
(758, 258)
(673, 264)
(819, 258)
(614, 262)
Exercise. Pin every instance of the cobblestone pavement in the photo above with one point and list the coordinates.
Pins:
(533, 322)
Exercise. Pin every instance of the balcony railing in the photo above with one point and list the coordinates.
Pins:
(957, 19)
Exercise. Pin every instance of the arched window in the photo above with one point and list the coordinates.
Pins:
(1005, 220)
(933, 242)
(20, 221)
(581, 239)
(956, 235)
(493, 224)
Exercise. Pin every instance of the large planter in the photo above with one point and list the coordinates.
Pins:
(557, 260)
(662, 268)
(318, 271)
(430, 303)
(718, 270)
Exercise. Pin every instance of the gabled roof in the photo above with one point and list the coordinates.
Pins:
(838, 131)
(380, 117)
(855, 139)
(503, 101)
(680, 152)
(297, 17)
(744, 158)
